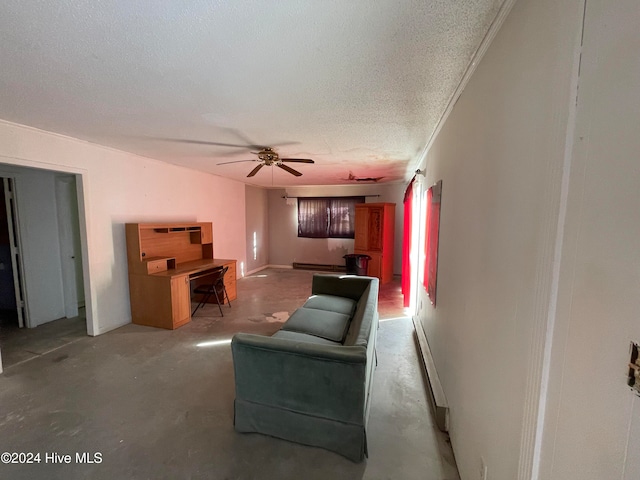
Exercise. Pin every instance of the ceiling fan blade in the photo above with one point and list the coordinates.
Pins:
(236, 161)
(289, 169)
(283, 144)
(204, 142)
(255, 170)
(298, 160)
(249, 145)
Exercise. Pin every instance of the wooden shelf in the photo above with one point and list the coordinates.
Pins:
(177, 229)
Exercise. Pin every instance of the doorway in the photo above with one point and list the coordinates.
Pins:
(45, 276)
(10, 314)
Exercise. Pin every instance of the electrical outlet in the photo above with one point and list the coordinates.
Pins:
(483, 469)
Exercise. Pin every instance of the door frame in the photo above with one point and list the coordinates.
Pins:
(13, 168)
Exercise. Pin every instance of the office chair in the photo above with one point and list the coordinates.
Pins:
(216, 287)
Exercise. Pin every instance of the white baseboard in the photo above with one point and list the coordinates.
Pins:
(434, 388)
(102, 330)
(259, 269)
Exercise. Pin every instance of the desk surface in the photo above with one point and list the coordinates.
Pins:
(195, 266)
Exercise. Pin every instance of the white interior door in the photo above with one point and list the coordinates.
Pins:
(70, 255)
(16, 258)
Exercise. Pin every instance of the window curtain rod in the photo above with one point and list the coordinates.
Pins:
(337, 196)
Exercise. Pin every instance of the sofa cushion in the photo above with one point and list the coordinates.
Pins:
(331, 303)
(320, 323)
(302, 337)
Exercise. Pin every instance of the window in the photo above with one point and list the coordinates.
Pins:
(324, 217)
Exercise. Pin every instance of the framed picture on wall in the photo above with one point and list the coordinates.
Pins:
(432, 233)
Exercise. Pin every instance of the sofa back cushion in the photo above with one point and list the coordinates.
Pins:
(348, 286)
(332, 303)
(320, 323)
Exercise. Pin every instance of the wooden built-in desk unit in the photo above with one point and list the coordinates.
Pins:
(164, 260)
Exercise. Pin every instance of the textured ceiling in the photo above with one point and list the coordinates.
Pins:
(357, 85)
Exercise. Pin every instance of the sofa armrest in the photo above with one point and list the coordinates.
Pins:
(325, 381)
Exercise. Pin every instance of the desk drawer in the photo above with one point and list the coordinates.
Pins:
(154, 266)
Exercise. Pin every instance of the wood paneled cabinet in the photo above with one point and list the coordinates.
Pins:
(165, 262)
(180, 300)
(229, 282)
(374, 236)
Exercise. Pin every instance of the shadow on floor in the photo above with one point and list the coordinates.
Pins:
(19, 345)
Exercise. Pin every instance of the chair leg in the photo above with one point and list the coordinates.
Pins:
(202, 302)
(215, 291)
(226, 295)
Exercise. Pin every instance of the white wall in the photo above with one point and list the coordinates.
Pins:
(257, 237)
(593, 425)
(539, 265)
(117, 187)
(500, 155)
(285, 247)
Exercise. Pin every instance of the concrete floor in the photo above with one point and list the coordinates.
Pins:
(158, 404)
(23, 344)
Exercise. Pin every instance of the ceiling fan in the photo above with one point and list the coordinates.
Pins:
(268, 156)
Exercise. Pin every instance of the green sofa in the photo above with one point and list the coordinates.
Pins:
(311, 381)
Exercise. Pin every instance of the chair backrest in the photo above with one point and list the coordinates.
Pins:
(220, 273)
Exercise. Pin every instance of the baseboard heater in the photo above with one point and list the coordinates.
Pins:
(319, 266)
(434, 388)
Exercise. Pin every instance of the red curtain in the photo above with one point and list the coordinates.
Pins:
(406, 245)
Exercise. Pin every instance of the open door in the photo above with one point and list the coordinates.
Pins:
(14, 246)
(70, 253)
